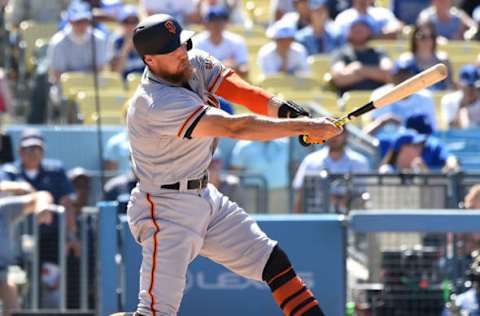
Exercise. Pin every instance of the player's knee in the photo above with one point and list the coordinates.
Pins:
(277, 263)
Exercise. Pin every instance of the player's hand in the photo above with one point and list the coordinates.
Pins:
(322, 129)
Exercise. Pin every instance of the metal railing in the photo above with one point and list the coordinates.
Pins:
(386, 191)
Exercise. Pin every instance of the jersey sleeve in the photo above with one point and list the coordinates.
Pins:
(211, 70)
(177, 117)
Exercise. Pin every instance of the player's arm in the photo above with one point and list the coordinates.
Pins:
(235, 89)
(217, 123)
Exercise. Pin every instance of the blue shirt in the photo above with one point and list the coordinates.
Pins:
(134, 63)
(268, 159)
(328, 41)
(51, 177)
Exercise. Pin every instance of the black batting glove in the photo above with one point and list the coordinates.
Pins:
(289, 109)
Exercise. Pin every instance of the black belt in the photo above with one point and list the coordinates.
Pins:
(191, 184)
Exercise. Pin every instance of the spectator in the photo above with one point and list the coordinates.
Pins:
(45, 11)
(449, 21)
(462, 108)
(321, 36)
(81, 182)
(12, 210)
(184, 11)
(467, 303)
(233, 7)
(118, 189)
(225, 46)
(414, 152)
(335, 157)
(397, 113)
(424, 54)
(117, 154)
(270, 161)
(282, 54)
(125, 58)
(70, 49)
(300, 17)
(358, 66)
(384, 23)
(46, 175)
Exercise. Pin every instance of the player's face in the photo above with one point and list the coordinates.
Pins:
(174, 67)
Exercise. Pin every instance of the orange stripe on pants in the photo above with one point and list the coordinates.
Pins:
(154, 255)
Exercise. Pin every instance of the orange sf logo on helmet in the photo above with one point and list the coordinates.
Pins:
(170, 27)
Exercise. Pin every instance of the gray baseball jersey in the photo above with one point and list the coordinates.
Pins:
(174, 226)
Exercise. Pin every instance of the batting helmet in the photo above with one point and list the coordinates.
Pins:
(160, 34)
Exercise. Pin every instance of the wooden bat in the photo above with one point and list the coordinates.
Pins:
(414, 84)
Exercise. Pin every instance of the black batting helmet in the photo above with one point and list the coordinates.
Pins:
(160, 34)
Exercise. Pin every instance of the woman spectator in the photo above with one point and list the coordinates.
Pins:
(448, 20)
(423, 53)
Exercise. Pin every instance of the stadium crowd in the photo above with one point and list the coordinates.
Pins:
(312, 51)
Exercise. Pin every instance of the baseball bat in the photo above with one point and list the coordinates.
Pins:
(408, 87)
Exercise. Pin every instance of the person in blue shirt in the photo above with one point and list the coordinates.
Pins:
(414, 152)
(45, 175)
(125, 58)
(320, 36)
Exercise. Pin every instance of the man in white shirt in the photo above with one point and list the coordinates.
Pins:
(225, 46)
(334, 158)
(386, 24)
(461, 109)
(282, 54)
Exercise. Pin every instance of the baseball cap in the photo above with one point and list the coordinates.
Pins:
(316, 4)
(404, 65)
(281, 29)
(217, 13)
(31, 137)
(407, 137)
(127, 11)
(160, 34)
(78, 172)
(79, 11)
(469, 76)
(419, 122)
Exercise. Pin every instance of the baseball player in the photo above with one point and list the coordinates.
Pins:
(174, 214)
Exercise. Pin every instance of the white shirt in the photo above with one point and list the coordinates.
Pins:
(176, 8)
(418, 103)
(232, 47)
(451, 105)
(320, 160)
(270, 62)
(383, 18)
